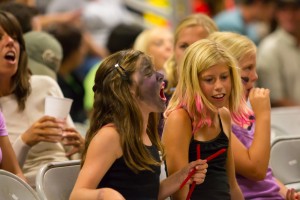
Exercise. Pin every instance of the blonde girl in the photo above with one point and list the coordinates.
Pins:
(209, 80)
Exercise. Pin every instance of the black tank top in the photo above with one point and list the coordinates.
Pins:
(141, 186)
(215, 186)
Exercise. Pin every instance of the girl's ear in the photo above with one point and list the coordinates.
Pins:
(133, 86)
(133, 91)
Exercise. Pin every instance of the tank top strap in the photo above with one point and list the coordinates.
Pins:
(220, 121)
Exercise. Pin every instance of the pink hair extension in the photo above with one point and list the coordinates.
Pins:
(201, 116)
(198, 103)
(242, 115)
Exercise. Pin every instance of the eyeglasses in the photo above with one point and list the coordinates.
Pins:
(123, 73)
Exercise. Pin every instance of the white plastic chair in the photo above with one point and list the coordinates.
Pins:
(285, 160)
(14, 188)
(56, 180)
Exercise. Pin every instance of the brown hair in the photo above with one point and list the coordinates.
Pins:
(114, 103)
(20, 80)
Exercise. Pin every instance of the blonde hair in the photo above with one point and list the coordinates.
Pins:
(188, 94)
(238, 45)
(192, 20)
(142, 41)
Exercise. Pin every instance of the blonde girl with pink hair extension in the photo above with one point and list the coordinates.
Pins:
(196, 115)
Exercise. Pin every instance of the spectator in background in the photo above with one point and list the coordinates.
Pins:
(157, 43)
(249, 17)
(30, 18)
(278, 61)
(74, 51)
(189, 30)
(37, 139)
(26, 15)
(98, 18)
(123, 37)
(44, 53)
(101, 16)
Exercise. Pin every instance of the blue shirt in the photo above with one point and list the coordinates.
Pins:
(232, 20)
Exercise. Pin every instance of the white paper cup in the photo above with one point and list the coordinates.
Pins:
(58, 107)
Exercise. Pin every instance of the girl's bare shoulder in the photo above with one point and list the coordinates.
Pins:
(179, 115)
(108, 137)
(108, 132)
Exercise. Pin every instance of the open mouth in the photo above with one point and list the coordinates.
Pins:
(162, 93)
(219, 96)
(10, 56)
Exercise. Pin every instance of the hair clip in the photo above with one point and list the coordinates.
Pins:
(124, 75)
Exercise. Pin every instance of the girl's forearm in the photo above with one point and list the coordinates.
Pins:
(236, 193)
(171, 185)
(96, 194)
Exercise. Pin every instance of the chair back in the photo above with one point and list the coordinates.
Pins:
(55, 180)
(285, 160)
(14, 188)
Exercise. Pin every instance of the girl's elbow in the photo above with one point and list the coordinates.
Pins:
(257, 175)
(260, 176)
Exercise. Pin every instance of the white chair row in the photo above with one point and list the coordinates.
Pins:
(14, 188)
(54, 181)
(285, 160)
(285, 145)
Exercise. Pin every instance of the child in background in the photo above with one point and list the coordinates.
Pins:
(189, 30)
(157, 43)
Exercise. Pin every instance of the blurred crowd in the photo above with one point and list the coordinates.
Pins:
(65, 42)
